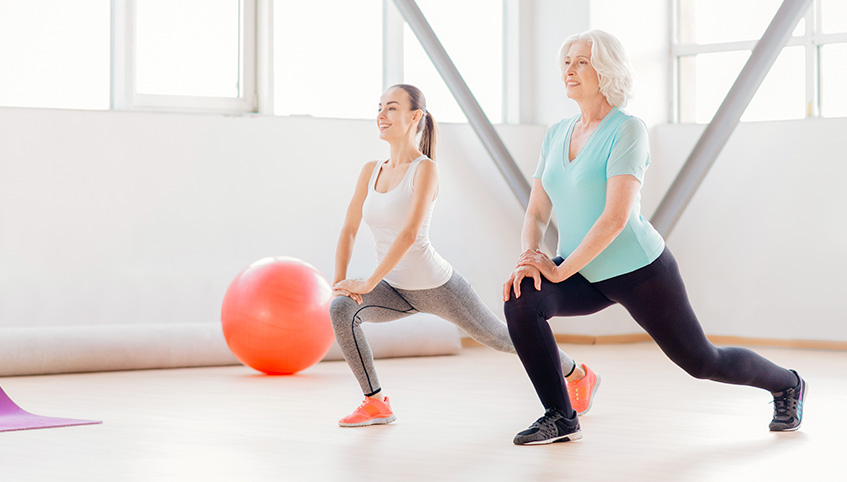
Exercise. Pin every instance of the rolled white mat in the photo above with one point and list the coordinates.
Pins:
(93, 348)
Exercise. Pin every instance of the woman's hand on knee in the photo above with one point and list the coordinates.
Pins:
(541, 262)
(353, 296)
(352, 288)
(517, 276)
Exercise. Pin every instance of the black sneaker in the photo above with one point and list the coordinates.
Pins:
(552, 427)
(788, 407)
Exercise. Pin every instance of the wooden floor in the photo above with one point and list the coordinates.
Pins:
(456, 419)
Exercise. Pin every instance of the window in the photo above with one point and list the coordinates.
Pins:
(364, 45)
(833, 16)
(186, 55)
(328, 65)
(189, 48)
(471, 32)
(55, 53)
(717, 21)
(327, 58)
(833, 80)
(711, 47)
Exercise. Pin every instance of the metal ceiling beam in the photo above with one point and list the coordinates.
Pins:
(714, 138)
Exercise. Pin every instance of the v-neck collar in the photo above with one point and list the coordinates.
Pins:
(566, 161)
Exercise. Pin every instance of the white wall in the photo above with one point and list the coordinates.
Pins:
(761, 246)
(137, 218)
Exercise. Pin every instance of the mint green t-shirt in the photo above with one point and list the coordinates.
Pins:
(577, 189)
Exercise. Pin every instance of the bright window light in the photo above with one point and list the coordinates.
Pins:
(705, 80)
(782, 93)
(188, 47)
(716, 21)
(328, 58)
(714, 38)
(833, 16)
(780, 96)
(55, 53)
(833, 80)
(472, 34)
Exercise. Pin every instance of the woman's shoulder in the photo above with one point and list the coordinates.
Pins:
(426, 166)
(632, 125)
(367, 170)
(628, 119)
(428, 162)
(370, 166)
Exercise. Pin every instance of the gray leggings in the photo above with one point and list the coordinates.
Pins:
(455, 301)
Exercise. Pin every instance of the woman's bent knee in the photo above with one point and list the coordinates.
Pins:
(527, 305)
(342, 310)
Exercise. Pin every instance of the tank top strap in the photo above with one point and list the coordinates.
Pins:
(374, 174)
(409, 178)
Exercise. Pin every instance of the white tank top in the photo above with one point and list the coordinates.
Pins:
(386, 214)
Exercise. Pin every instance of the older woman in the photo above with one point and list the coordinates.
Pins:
(590, 172)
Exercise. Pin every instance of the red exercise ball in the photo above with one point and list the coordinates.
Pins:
(275, 316)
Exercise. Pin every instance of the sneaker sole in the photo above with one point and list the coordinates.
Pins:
(591, 396)
(373, 421)
(564, 438)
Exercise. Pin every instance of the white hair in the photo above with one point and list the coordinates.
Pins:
(609, 60)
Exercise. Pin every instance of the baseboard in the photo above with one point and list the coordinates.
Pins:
(716, 339)
(778, 343)
(468, 342)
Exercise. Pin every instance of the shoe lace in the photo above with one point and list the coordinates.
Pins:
(784, 403)
(548, 416)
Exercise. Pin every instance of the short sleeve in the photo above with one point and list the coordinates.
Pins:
(630, 151)
(545, 148)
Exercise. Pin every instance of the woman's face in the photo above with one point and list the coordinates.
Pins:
(396, 119)
(581, 79)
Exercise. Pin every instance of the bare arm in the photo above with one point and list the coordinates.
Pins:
(535, 223)
(350, 228)
(621, 192)
(537, 217)
(425, 185)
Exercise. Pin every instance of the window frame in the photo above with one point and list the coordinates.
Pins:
(256, 62)
(124, 95)
(812, 41)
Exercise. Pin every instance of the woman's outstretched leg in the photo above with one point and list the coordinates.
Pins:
(457, 302)
(656, 298)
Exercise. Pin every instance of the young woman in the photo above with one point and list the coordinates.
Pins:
(395, 199)
(590, 174)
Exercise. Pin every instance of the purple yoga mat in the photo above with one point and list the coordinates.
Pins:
(13, 417)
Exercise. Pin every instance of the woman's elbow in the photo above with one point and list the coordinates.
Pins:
(407, 237)
(616, 223)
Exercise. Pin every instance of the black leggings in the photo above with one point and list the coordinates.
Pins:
(655, 297)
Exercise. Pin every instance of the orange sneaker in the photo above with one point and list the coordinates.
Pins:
(581, 392)
(370, 412)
